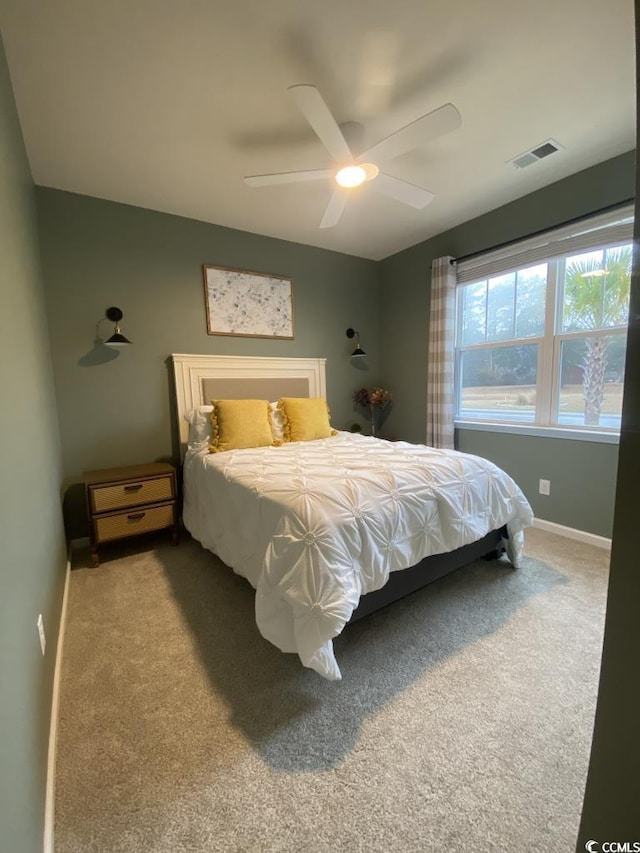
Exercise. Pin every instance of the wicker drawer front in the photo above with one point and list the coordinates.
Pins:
(136, 521)
(132, 494)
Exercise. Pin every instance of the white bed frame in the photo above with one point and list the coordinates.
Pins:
(190, 370)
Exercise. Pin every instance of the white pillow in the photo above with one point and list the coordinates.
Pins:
(277, 422)
(200, 431)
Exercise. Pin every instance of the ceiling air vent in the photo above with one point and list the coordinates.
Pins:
(535, 154)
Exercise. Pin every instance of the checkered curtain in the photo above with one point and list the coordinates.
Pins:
(441, 354)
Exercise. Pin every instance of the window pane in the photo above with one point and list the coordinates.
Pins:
(499, 383)
(474, 313)
(591, 376)
(501, 293)
(531, 301)
(596, 289)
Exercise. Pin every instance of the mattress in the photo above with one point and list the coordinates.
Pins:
(315, 525)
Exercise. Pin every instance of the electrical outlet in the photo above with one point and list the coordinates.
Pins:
(43, 639)
(545, 487)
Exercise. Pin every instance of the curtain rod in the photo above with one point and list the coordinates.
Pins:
(543, 231)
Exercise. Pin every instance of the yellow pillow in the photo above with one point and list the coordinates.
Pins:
(305, 418)
(237, 424)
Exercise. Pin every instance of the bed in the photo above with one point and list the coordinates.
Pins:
(329, 530)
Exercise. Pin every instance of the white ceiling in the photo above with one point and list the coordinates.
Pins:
(166, 104)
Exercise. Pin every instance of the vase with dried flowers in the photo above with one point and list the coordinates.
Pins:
(375, 401)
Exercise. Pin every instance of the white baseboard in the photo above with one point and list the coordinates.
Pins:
(53, 727)
(572, 533)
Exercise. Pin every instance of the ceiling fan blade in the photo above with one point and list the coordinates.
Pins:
(410, 194)
(334, 209)
(319, 116)
(415, 135)
(287, 177)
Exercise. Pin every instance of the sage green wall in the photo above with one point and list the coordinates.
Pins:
(572, 501)
(583, 474)
(98, 253)
(32, 547)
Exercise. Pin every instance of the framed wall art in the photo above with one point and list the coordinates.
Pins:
(248, 304)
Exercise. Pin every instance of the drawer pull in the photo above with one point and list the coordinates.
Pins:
(134, 488)
(136, 516)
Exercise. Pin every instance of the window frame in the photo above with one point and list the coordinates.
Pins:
(546, 421)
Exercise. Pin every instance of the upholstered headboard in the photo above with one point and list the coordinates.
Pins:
(202, 378)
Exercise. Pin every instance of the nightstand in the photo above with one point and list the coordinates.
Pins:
(124, 502)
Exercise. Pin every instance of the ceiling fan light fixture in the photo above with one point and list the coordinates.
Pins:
(351, 176)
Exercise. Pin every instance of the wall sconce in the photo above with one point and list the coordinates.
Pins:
(358, 351)
(117, 339)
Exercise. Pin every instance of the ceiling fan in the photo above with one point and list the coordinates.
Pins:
(352, 171)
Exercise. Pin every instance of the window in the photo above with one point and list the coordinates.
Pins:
(541, 329)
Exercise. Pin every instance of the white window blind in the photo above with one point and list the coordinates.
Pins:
(614, 226)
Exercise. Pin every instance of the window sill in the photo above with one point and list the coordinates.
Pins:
(542, 431)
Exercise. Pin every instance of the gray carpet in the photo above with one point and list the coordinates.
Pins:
(463, 721)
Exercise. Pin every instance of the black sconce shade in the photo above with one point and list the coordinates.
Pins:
(117, 339)
(358, 351)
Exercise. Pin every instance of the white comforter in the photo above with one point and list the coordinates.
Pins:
(314, 525)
